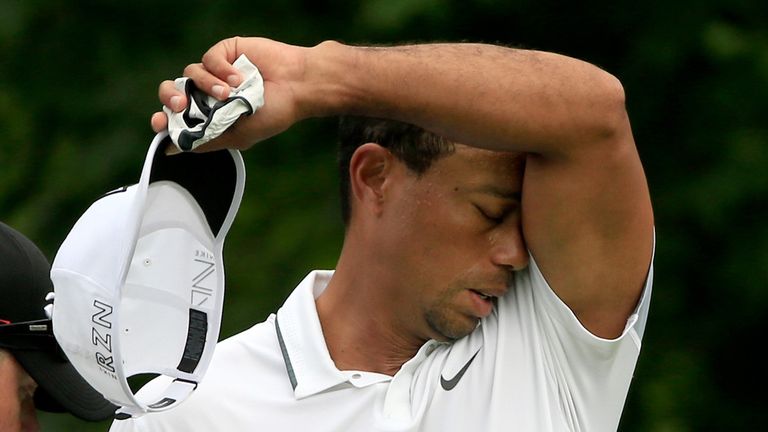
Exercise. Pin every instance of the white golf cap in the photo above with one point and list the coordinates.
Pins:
(139, 280)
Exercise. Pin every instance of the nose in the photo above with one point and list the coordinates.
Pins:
(508, 250)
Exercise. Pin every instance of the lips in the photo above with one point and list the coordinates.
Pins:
(483, 296)
(482, 302)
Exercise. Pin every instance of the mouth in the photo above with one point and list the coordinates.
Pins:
(482, 302)
(483, 295)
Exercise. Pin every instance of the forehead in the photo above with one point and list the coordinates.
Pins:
(473, 167)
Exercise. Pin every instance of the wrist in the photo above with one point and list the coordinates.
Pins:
(327, 87)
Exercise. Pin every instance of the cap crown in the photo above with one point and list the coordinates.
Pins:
(139, 280)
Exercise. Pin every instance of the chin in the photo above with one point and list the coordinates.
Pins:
(449, 330)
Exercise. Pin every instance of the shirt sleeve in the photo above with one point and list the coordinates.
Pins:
(581, 376)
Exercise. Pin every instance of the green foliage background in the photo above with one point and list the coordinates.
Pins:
(78, 82)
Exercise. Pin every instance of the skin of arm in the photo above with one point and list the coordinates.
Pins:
(587, 216)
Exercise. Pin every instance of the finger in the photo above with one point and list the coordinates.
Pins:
(171, 97)
(206, 81)
(159, 121)
(219, 58)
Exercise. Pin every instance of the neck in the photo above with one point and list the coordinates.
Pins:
(359, 317)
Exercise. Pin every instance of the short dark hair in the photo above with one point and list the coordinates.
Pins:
(412, 145)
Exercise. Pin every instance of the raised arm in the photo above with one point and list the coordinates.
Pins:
(587, 216)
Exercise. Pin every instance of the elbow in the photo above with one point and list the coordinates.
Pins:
(609, 134)
(610, 119)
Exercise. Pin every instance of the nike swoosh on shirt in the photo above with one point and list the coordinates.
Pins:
(448, 385)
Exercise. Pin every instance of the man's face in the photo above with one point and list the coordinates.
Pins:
(17, 408)
(454, 236)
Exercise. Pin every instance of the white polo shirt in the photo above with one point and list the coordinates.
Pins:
(529, 366)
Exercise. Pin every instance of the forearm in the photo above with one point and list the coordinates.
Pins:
(586, 212)
(586, 216)
(482, 95)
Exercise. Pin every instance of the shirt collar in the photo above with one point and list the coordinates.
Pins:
(307, 360)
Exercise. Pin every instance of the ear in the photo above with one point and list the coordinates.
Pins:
(369, 168)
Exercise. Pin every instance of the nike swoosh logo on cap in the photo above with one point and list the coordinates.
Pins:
(448, 385)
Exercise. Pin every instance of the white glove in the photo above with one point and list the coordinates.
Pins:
(206, 117)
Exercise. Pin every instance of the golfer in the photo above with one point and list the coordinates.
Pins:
(496, 267)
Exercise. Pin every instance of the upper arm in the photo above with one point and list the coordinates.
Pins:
(588, 222)
(586, 210)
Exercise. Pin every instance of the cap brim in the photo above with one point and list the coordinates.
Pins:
(64, 389)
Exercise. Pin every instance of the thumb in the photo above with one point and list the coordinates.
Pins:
(219, 58)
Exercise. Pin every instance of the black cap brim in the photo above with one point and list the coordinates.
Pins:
(62, 387)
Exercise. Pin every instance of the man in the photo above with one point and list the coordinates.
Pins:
(495, 273)
(33, 370)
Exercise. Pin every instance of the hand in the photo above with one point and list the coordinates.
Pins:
(282, 68)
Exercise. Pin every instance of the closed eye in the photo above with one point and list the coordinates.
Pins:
(492, 217)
